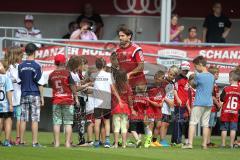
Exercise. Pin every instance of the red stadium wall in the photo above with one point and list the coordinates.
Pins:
(185, 8)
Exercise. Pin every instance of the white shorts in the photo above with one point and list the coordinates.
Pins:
(200, 113)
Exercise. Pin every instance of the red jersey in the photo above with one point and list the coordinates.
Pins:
(231, 103)
(181, 86)
(216, 94)
(156, 95)
(60, 81)
(139, 105)
(128, 59)
(125, 95)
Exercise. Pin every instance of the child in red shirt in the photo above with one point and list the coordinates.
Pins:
(64, 93)
(155, 99)
(121, 111)
(136, 124)
(231, 105)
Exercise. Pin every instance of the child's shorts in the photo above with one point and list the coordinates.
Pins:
(137, 126)
(225, 126)
(63, 114)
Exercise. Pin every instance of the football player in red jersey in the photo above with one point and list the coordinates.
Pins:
(216, 104)
(130, 58)
(64, 93)
(155, 99)
(231, 105)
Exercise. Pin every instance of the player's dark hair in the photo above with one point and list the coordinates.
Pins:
(100, 63)
(200, 60)
(125, 30)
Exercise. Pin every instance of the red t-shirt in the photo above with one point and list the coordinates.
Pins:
(231, 103)
(216, 94)
(128, 59)
(60, 81)
(139, 105)
(157, 95)
(124, 95)
(181, 86)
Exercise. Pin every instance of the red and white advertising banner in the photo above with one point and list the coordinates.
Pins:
(230, 55)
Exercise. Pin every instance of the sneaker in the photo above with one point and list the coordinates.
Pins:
(90, 143)
(17, 141)
(96, 144)
(187, 146)
(210, 145)
(177, 144)
(156, 144)
(107, 144)
(100, 143)
(6, 143)
(138, 144)
(235, 146)
(37, 145)
(164, 143)
(148, 141)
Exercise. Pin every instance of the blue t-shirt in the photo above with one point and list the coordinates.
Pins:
(29, 73)
(5, 86)
(204, 87)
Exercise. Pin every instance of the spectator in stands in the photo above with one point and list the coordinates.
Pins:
(33, 33)
(72, 26)
(192, 36)
(84, 32)
(176, 30)
(96, 22)
(216, 26)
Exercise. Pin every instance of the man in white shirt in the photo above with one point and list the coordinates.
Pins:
(32, 33)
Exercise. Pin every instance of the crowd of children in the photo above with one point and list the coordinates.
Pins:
(88, 99)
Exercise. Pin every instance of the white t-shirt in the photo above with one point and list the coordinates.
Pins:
(102, 89)
(12, 73)
(170, 95)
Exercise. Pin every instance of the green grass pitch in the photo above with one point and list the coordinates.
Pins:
(86, 153)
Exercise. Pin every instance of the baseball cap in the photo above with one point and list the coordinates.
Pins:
(28, 18)
(185, 65)
(30, 48)
(60, 58)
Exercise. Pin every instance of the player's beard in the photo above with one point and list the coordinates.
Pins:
(123, 43)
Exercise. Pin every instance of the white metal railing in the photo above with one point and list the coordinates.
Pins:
(12, 30)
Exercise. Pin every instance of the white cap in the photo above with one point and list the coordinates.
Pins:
(28, 18)
(185, 65)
